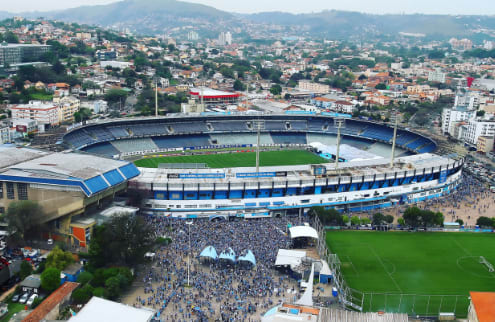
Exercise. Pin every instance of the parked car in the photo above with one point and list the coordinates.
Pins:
(24, 298)
(16, 297)
(31, 299)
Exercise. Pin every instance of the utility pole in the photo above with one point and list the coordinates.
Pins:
(156, 96)
(189, 223)
(392, 157)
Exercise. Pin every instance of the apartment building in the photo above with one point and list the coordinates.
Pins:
(43, 113)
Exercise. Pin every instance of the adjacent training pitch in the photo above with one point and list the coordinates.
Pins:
(241, 159)
(415, 263)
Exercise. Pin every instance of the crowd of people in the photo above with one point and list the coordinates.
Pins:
(217, 290)
(470, 200)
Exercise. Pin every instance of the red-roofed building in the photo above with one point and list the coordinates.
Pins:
(49, 309)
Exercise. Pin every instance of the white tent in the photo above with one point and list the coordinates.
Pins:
(303, 231)
(287, 257)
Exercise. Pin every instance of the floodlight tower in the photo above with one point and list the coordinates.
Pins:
(340, 123)
(156, 96)
(260, 125)
(392, 157)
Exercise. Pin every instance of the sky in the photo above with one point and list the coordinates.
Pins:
(486, 7)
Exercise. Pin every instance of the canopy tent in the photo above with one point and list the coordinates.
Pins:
(303, 231)
(149, 255)
(210, 252)
(228, 254)
(249, 257)
(325, 272)
(287, 257)
(307, 297)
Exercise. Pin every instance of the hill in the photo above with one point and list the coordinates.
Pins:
(143, 16)
(176, 17)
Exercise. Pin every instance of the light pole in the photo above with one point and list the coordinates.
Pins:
(189, 223)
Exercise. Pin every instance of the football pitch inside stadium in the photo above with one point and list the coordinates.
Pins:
(240, 159)
(415, 272)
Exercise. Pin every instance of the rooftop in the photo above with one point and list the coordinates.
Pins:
(210, 92)
(98, 309)
(484, 305)
(91, 173)
(39, 313)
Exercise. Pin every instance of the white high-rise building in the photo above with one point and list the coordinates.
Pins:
(436, 76)
(228, 38)
(192, 36)
(452, 116)
(225, 38)
(477, 128)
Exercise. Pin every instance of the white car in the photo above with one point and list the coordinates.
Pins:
(24, 298)
(31, 299)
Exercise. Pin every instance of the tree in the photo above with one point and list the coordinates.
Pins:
(22, 218)
(276, 89)
(355, 221)
(412, 217)
(389, 219)
(115, 95)
(401, 222)
(460, 222)
(345, 219)
(26, 269)
(239, 86)
(10, 37)
(84, 278)
(112, 286)
(328, 216)
(50, 279)
(83, 294)
(365, 221)
(82, 115)
(378, 219)
(123, 239)
(484, 222)
(381, 86)
(59, 259)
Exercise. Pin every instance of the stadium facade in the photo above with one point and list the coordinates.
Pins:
(65, 185)
(416, 175)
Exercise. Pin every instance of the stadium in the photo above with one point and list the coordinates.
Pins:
(297, 168)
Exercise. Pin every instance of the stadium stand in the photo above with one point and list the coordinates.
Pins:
(298, 125)
(229, 126)
(275, 126)
(182, 141)
(176, 132)
(188, 127)
(105, 148)
(132, 145)
(224, 138)
(378, 133)
(118, 132)
(289, 138)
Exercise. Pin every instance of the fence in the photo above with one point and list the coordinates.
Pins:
(413, 304)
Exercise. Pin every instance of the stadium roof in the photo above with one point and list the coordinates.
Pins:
(303, 231)
(301, 172)
(98, 309)
(90, 173)
(346, 152)
(212, 93)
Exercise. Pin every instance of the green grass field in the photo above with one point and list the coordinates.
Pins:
(244, 159)
(415, 263)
